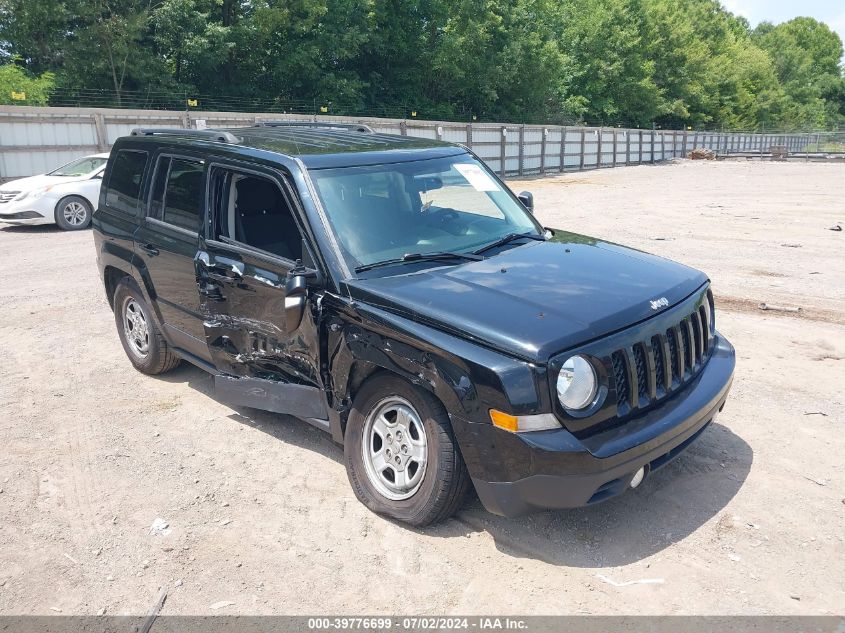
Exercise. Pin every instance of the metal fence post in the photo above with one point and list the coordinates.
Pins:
(615, 144)
(543, 151)
(583, 147)
(521, 149)
(562, 149)
(469, 135)
(403, 128)
(627, 147)
(600, 141)
(640, 146)
(502, 151)
(100, 131)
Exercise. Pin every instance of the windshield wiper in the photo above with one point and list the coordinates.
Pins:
(510, 237)
(420, 257)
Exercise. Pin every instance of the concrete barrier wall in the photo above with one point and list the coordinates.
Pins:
(34, 140)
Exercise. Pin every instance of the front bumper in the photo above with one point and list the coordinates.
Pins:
(516, 473)
(28, 211)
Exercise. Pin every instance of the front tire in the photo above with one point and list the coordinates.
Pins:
(141, 339)
(73, 213)
(401, 455)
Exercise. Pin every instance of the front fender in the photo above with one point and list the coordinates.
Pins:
(469, 379)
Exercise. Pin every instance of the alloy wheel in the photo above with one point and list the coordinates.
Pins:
(395, 448)
(135, 328)
(75, 213)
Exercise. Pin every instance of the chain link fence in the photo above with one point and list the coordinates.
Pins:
(37, 139)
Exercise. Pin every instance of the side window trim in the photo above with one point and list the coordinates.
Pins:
(252, 251)
(149, 201)
(172, 227)
(278, 179)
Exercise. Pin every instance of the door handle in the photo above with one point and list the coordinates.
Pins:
(234, 270)
(224, 271)
(149, 249)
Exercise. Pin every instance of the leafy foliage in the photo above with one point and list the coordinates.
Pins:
(669, 63)
(29, 89)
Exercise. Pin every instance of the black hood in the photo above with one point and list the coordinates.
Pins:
(536, 299)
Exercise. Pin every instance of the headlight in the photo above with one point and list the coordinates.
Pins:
(577, 383)
(36, 192)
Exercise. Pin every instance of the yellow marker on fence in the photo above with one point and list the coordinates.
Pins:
(193, 103)
(414, 113)
(324, 109)
(18, 96)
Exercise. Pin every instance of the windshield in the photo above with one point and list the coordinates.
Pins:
(80, 167)
(384, 212)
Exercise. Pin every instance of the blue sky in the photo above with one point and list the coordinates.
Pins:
(832, 12)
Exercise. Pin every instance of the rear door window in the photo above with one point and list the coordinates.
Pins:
(123, 191)
(178, 192)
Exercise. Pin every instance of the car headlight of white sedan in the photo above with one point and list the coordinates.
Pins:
(34, 193)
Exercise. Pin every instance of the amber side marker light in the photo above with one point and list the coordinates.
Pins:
(504, 420)
(520, 423)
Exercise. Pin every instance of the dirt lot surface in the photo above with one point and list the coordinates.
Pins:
(260, 514)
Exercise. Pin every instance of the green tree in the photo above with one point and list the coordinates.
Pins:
(15, 79)
(193, 45)
(111, 49)
(806, 55)
(34, 32)
(618, 62)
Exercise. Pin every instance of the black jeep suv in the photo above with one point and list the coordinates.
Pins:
(395, 293)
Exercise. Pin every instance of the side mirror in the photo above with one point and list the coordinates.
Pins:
(527, 200)
(296, 293)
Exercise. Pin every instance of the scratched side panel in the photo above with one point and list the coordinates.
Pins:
(467, 378)
(245, 329)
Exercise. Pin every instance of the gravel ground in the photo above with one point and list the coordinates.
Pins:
(259, 511)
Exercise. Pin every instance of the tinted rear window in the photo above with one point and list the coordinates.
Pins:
(178, 192)
(124, 187)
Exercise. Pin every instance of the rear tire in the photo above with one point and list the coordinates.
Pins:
(401, 455)
(73, 213)
(141, 339)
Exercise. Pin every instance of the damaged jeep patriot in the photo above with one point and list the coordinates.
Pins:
(395, 293)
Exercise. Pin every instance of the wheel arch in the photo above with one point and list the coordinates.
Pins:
(112, 276)
(437, 363)
(361, 370)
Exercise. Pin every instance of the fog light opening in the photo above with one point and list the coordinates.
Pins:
(638, 477)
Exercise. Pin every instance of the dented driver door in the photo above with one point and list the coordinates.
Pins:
(262, 361)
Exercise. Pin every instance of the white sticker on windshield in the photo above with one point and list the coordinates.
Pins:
(477, 177)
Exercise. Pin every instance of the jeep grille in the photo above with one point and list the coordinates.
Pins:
(647, 371)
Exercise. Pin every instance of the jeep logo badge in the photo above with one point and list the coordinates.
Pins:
(662, 302)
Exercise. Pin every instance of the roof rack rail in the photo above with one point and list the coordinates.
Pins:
(214, 135)
(352, 127)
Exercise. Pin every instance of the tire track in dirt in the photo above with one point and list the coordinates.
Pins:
(808, 313)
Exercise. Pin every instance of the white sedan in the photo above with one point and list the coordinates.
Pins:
(66, 196)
